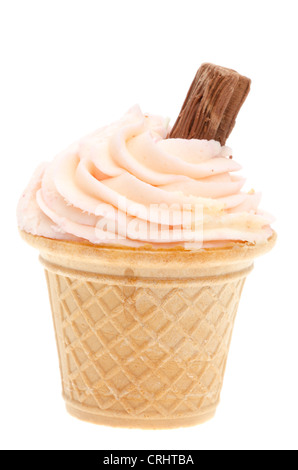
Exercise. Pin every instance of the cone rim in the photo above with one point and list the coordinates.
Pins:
(232, 253)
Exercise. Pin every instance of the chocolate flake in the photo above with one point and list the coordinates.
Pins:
(212, 104)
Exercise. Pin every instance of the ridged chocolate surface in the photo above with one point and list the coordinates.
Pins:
(212, 104)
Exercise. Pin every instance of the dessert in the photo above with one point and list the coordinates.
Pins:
(147, 236)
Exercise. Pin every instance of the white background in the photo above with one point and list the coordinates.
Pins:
(68, 67)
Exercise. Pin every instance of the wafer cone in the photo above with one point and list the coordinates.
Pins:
(143, 335)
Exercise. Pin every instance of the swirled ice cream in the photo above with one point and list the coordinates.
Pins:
(127, 184)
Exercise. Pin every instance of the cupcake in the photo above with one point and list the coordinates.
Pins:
(147, 237)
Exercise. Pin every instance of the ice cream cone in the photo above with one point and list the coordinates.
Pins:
(143, 335)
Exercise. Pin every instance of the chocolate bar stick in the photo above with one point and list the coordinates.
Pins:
(212, 104)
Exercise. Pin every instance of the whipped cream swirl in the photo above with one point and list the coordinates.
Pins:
(126, 184)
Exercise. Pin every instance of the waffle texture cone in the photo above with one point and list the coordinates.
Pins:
(143, 335)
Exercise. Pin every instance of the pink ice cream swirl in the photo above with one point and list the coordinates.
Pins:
(127, 184)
